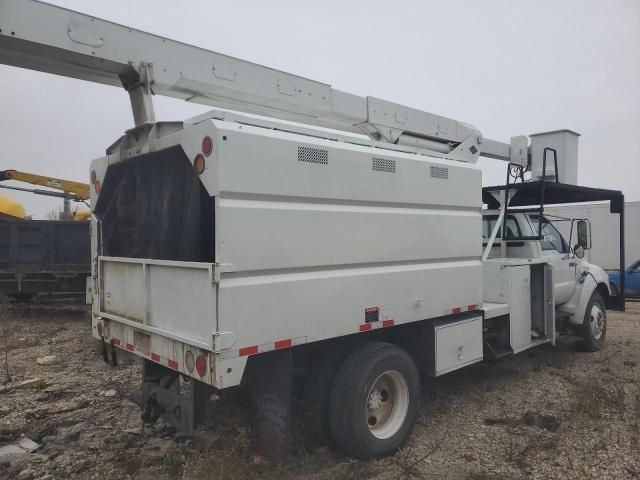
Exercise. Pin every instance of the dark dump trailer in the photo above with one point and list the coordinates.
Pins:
(43, 257)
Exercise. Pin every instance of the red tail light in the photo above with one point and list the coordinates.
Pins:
(207, 146)
(201, 364)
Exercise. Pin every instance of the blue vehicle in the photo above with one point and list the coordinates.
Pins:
(631, 280)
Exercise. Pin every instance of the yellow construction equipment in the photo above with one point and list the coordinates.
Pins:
(82, 214)
(11, 208)
(68, 190)
(76, 190)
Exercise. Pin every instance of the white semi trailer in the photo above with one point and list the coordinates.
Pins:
(604, 231)
(261, 249)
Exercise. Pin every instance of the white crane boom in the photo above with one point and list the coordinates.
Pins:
(47, 38)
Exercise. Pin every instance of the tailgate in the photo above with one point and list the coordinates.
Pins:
(171, 298)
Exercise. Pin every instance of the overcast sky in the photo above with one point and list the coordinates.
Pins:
(508, 67)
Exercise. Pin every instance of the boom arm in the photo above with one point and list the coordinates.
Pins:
(52, 39)
(73, 190)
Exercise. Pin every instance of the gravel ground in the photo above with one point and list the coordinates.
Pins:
(550, 413)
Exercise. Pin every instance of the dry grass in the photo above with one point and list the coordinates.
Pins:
(18, 336)
(598, 403)
(635, 425)
(225, 464)
(15, 342)
(485, 476)
(595, 397)
(525, 447)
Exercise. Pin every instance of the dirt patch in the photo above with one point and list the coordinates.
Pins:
(550, 413)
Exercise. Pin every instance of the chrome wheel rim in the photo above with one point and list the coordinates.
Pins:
(387, 404)
(597, 320)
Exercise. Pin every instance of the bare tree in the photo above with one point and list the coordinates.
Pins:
(5, 336)
(54, 214)
(59, 214)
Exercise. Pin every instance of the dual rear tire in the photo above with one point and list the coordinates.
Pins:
(373, 400)
(369, 401)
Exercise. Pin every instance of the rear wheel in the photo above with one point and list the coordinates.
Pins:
(374, 400)
(594, 326)
(316, 391)
(614, 290)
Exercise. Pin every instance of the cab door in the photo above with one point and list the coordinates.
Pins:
(555, 250)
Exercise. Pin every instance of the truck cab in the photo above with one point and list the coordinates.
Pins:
(580, 289)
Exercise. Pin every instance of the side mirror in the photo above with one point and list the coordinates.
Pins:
(584, 234)
(578, 251)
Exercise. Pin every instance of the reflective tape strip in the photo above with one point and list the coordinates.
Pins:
(265, 347)
(170, 363)
(282, 344)
(366, 327)
(469, 308)
(248, 351)
(154, 356)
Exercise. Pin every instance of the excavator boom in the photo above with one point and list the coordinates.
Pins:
(77, 190)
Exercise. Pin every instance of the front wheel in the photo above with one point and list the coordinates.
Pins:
(374, 400)
(594, 326)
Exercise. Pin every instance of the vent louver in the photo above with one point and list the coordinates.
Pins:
(313, 155)
(439, 172)
(379, 164)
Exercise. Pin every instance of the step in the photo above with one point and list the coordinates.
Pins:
(568, 339)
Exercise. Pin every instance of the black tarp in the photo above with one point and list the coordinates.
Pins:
(154, 206)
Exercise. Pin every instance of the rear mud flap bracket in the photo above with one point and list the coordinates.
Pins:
(268, 379)
(113, 361)
(162, 396)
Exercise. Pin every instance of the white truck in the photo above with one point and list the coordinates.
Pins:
(317, 239)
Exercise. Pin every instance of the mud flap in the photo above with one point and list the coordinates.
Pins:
(162, 396)
(105, 353)
(268, 379)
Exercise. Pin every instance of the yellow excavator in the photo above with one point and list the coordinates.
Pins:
(69, 190)
(10, 208)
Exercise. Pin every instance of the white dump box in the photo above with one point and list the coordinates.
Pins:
(276, 239)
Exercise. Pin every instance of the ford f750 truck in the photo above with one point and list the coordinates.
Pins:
(317, 239)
